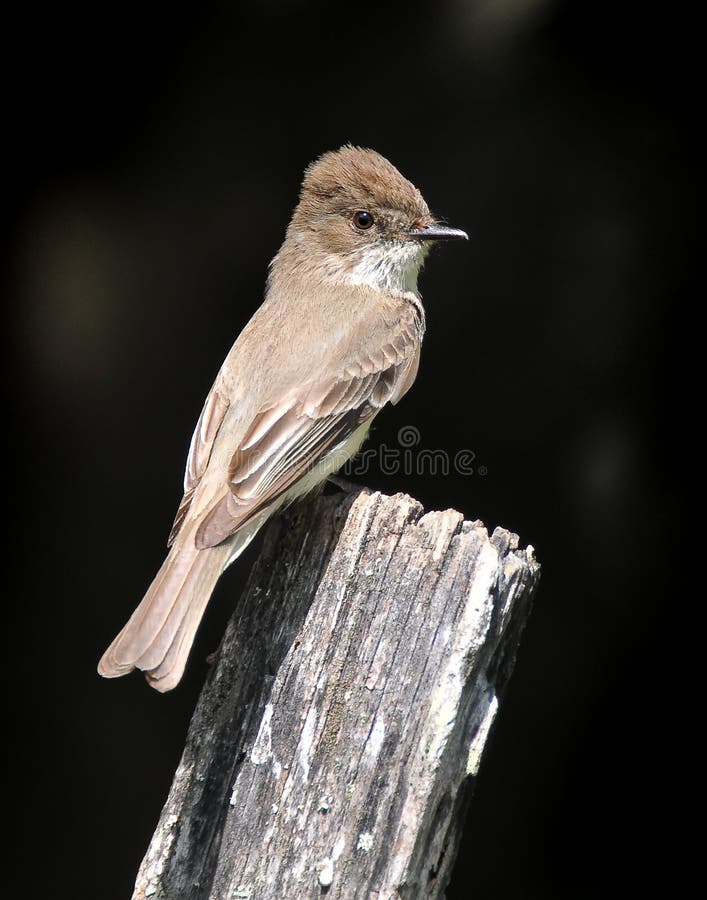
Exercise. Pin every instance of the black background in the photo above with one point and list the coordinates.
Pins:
(157, 157)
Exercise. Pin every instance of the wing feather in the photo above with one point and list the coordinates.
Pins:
(202, 442)
(288, 439)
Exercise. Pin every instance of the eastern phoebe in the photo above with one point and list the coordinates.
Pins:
(337, 337)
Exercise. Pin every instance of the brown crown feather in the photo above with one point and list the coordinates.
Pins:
(355, 176)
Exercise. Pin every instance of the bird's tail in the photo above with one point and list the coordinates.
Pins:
(158, 636)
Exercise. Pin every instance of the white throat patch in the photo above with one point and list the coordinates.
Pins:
(391, 267)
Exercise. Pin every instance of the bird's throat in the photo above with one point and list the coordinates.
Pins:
(394, 267)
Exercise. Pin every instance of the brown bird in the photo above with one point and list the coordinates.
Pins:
(337, 337)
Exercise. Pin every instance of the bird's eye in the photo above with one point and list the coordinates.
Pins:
(362, 219)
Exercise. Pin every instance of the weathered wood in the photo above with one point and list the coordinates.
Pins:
(337, 735)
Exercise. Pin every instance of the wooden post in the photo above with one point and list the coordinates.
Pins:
(334, 745)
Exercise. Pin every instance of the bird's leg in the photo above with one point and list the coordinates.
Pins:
(348, 487)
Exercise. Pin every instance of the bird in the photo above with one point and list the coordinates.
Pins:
(336, 338)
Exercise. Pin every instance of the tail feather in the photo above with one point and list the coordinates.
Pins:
(190, 580)
(167, 674)
(159, 635)
(187, 578)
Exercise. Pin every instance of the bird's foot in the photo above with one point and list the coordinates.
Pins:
(348, 487)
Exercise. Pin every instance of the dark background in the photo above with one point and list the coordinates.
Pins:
(156, 160)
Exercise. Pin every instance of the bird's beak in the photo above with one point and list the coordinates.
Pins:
(436, 232)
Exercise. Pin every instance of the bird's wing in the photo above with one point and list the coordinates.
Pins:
(202, 442)
(290, 438)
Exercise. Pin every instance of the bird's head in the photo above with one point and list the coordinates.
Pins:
(359, 221)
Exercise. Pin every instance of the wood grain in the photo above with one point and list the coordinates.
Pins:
(336, 740)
